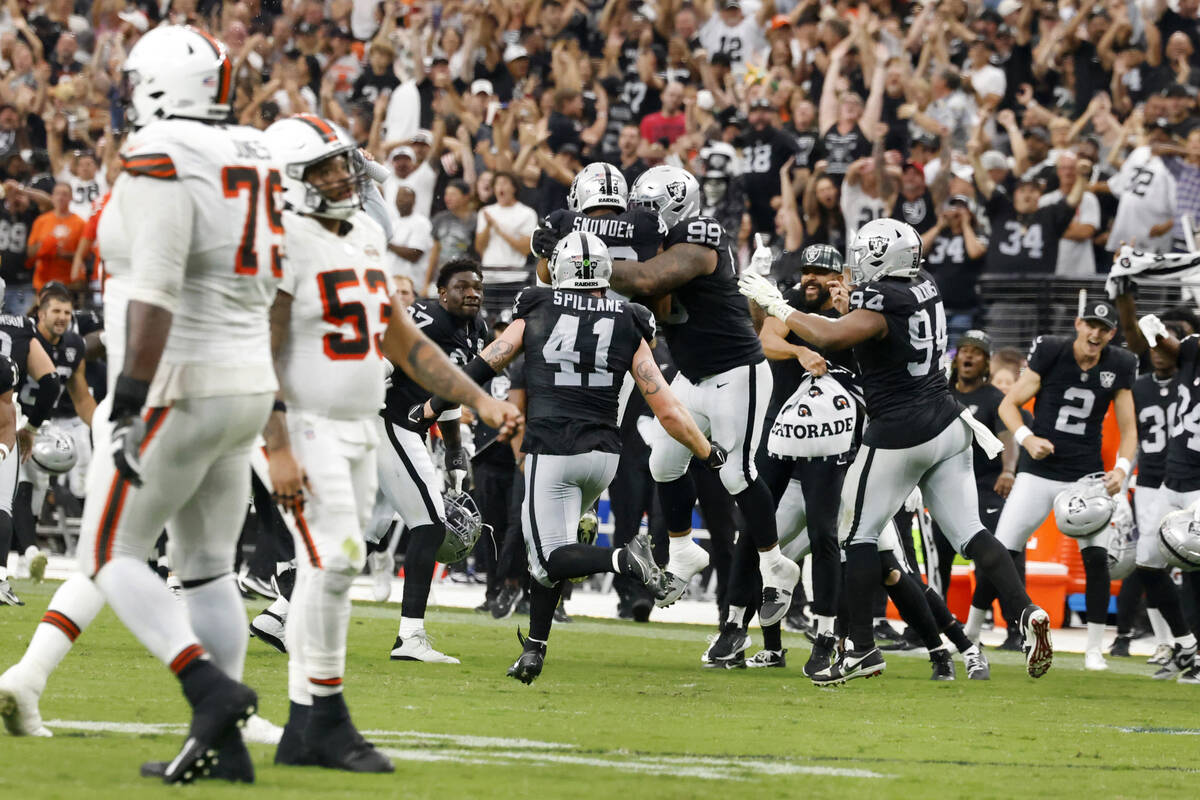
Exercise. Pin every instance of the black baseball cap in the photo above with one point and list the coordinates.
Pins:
(1100, 311)
(976, 338)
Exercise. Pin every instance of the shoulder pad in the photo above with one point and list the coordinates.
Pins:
(529, 299)
(643, 321)
(882, 296)
(703, 231)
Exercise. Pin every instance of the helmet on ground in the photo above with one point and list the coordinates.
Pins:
(463, 527)
(177, 71)
(53, 450)
(822, 256)
(885, 248)
(598, 185)
(1084, 508)
(1122, 542)
(673, 192)
(305, 141)
(1179, 540)
(580, 261)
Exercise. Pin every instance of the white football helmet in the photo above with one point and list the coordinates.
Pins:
(464, 525)
(1122, 541)
(598, 185)
(177, 71)
(1084, 507)
(302, 142)
(53, 450)
(885, 248)
(1179, 540)
(673, 192)
(580, 261)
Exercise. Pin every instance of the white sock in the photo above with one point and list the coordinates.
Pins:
(31, 552)
(768, 559)
(679, 545)
(1187, 642)
(1162, 631)
(824, 625)
(736, 615)
(327, 597)
(72, 609)
(294, 633)
(142, 601)
(410, 626)
(1095, 635)
(975, 619)
(218, 617)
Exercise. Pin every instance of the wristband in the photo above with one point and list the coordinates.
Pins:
(1009, 473)
(1123, 465)
(279, 406)
(30, 427)
(1022, 434)
(129, 395)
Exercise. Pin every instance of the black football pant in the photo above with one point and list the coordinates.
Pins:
(493, 494)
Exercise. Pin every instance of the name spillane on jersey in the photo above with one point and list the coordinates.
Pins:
(709, 327)
(332, 363)
(1071, 403)
(1183, 448)
(908, 398)
(220, 337)
(633, 235)
(460, 339)
(577, 348)
(1154, 401)
(67, 356)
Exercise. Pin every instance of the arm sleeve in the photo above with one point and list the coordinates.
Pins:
(643, 322)
(377, 209)
(160, 239)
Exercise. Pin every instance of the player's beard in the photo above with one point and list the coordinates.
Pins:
(821, 299)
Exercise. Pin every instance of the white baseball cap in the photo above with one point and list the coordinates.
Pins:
(482, 86)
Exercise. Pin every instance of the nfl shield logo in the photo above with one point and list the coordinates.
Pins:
(1107, 379)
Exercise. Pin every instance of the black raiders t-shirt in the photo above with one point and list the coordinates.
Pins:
(14, 237)
(1025, 243)
(908, 399)
(841, 150)
(633, 235)
(577, 348)
(806, 145)
(919, 213)
(9, 374)
(956, 273)
(1153, 398)
(763, 154)
(1070, 405)
(709, 327)
(67, 356)
(1183, 449)
(15, 335)
(984, 404)
(460, 339)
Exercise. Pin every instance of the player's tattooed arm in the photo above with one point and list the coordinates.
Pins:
(668, 270)
(648, 378)
(505, 347)
(675, 418)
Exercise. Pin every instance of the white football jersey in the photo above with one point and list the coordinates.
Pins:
(220, 336)
(1146, 189)
(859, 208)
(332, 363)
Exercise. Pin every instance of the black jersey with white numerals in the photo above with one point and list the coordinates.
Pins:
(1071, 403)
(1154, 401)
(1183, 448)
(709, 328)
(16, 334)
(577, 348)
(632, 235)
(9, 374)
(459, 338)
(67, 356)
(908, 398)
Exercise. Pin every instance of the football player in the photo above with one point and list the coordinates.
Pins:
(1074, 379)
(577, 344)
(918, 435)
(409, 482)
(9, 374)
(723, 379)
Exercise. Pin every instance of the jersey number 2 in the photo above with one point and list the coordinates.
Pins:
(234, 181)
(338, 346)
(560, 351)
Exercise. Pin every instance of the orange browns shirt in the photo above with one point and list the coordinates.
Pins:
(56, 239)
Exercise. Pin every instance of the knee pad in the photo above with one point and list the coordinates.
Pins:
(668, 461)
(734, 477)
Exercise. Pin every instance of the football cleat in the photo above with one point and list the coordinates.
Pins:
(909, 640)
(1192, 676)
(269, 627)
(1162, 654)
(231, 763)
(943, 665)
(1012, 640)
(7, 596)
(260, 730)
(798, 620)
(529, 665)
(216, 717)
(292, 751)
(252, 585)
(852, 664)
(1039, 650)
(1181, 661)
(336, 744)
(679, 573)
(1093, 661)
(821, 658)
(768, 658)
(419, 647)
(778, 584)
(1120, 647)
(729, 648)
(885, 632)
(561, 615)
(382, 566)
(640, 608)
(502, 606)
(977, 664)
(589, 527)
(19, 704)
(638, 562)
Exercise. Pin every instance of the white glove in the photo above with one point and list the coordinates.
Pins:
(765, 293)
(915, 501)
(1152, 328)
(762, 259)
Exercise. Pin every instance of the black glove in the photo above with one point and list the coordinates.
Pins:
(543, 241)
(1120, 286)
(416, 419)
(456, 467)
(129, 429)
(717, 458)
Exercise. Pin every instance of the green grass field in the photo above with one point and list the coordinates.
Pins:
(624, 710)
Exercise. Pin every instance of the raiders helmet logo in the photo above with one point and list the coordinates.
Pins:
(1107, 379)
(877, 246)
(840, 402)
(803, 410)
(676, 190)
(1076, 505)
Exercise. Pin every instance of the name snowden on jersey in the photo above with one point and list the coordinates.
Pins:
(604, 226)
(586, 302)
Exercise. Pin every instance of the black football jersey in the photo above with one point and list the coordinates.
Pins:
(908, 398)
(67, 356)
(1071, 403)
(1183, 448)
(9, 374)
(15, 335)
(1025, 243)
(459, 338)
(577, 348)
(984, 404)
(1154, 399)
(632, 235)
(87, 321)
(920, 213)
(709, 328)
